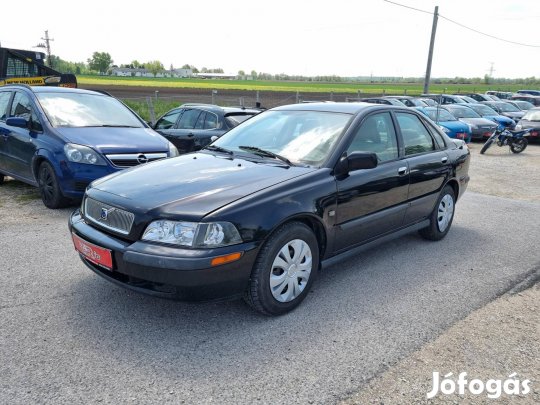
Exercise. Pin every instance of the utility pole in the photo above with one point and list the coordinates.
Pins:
(48, 47)
(431, 45)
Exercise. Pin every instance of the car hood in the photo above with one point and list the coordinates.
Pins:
(479, 122)
(190, 186)
(514, 114)
(116, 140)
(499, 118)
(456, 126)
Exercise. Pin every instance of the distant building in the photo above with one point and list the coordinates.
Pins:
(215, 76)
(129, 72)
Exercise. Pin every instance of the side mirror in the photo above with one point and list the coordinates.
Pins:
(17, 122)
(356, 161)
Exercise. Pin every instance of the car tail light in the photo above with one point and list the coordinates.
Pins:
(461, 135)
(486, 134)
(534, 133)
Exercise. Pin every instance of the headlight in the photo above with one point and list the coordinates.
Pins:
(173, 152)
(83, 154)
(191, 234)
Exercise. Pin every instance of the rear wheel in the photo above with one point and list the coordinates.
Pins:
(442, 216)
(519, 145)
(486, 146)
(284, 270)
(2, 178)
(49, 188)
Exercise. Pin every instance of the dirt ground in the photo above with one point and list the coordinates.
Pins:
(500, 172)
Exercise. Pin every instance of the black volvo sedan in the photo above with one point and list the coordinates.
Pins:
(261, 210)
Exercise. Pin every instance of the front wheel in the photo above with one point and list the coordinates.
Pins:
(284, 270)
(442, 216)
(49, 188)
(486, 146)
(519, 145)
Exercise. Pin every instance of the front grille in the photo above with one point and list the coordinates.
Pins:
(134, 159)
(107, 216)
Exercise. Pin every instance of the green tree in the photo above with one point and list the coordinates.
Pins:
(254, 74)
(154, 66)
(241, 73)
(100, 61)
(135, 64)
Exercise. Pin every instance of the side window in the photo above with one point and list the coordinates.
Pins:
(376, 134)
(189, 119)
(211, 121)
(22, 107)
(200, 121)
(4, 101)
(415, 135)
(436, 134)
(168, 120)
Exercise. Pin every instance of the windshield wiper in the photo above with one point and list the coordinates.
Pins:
(109, 126)
(218, 149)
(266, 153)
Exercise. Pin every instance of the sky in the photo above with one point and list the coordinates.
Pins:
(342, 37)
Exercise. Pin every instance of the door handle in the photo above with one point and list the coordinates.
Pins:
(444, 159)
(191, 134)
(402, 170)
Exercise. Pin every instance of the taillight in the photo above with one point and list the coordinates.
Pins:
(461, 135)
(534, 133)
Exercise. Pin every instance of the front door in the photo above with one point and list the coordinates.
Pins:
(20, 142)
(372, 202)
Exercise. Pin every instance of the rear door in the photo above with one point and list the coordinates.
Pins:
(428, 162)
(372, 202)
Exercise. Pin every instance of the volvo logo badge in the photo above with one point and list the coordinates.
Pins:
(142, 159)
(105, 213)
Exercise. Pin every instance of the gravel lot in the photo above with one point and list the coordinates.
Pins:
(66, 336)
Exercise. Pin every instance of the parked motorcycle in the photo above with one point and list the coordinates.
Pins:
(517, 140)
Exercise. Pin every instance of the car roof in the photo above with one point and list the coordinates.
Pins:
(345, 108)
(217, 108)
(53, 89)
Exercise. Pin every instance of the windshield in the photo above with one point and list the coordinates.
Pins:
(439, 115)
(484, 110)
(463, 112)
(532, 115)
(524, 105)
(86, 110)
(507, 107)
(304, 137)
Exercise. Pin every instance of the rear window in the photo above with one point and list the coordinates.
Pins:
(235, 119)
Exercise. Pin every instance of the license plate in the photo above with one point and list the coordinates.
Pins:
(93, 253)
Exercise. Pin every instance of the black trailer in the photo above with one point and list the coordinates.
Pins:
(28, 67)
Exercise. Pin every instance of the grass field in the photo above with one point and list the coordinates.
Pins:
(291, 86)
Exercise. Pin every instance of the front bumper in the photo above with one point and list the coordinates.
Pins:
(169, 272)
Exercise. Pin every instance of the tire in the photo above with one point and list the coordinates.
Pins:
(280, 280)
(519, 145)
(49, 189)
(486, 146)
(442, 216)
(2, 178)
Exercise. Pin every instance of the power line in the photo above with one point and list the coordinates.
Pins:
(412, 8)
(463, 26)
(488, 35)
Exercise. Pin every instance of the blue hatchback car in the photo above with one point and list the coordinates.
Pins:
(61, 139)
(453, 127)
